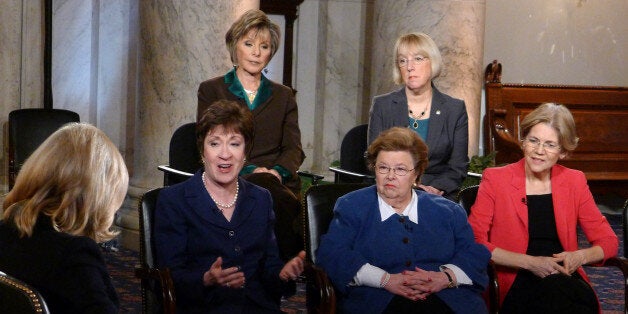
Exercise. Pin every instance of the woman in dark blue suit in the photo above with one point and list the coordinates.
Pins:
(215, 230)
(439, 119)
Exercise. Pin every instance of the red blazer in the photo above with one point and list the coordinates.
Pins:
(499, 217)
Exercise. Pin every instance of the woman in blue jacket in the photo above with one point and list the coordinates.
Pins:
(393, 249)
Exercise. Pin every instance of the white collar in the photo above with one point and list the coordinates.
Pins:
(386, 210)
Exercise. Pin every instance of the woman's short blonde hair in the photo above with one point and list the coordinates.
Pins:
(252, 19)
(559, 118)
(77, 177)
(399, 139)
(419, 43)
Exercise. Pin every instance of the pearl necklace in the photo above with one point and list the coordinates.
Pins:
(219, 204)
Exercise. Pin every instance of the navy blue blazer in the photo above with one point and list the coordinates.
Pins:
(357, 236)
(69, 271)
(447, 135)
(191, 232)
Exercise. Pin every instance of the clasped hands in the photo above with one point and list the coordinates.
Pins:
(417, 284)
(565, 262)
(233, 277)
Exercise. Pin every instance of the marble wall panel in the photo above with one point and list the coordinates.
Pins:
(73, 57)
(10, 54)
(112, 73)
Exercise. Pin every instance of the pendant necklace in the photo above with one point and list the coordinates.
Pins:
(219, 204)
(415, 124)
(250, 94)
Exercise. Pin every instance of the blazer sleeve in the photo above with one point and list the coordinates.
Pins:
(482, 211)
(594, 225)
(376, 120)
(335, 253)
(469, 255)
(291, 156)
(450, 179)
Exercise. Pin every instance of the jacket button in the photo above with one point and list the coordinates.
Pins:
(408, 263)
(406, 240)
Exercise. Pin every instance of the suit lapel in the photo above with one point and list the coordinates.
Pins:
(437, 120)
(560, 201)
(518, 195)
(399, 107)
(244, 206)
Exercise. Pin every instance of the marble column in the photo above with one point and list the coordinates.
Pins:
(457, 27)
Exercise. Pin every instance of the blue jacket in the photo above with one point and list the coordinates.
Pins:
(190, 233)
(357, 236)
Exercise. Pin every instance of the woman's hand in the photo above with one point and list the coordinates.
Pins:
(543, 266)
(231, 277)
(430, 189)
(293, 267)
(571, 260)
(427, 282)
(396, 285)
(266, 170)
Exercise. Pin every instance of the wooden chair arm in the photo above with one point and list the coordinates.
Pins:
(167, 286)
(320, 294)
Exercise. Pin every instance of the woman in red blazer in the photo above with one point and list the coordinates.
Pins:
(526, 213)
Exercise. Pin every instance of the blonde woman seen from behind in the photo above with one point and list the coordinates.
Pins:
(62, 204)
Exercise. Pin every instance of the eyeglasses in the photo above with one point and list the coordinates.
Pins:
(534, 143)
(403, 62)
(400, 171)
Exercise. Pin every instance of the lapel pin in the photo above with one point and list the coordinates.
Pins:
(437, 112)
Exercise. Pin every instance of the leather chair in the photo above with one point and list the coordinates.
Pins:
(28, 128)
(318, 206)
(352, 162)
(158, 294)
(17, 296)
(184, 159)
(467, 198)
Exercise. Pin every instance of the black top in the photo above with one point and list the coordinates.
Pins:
(542, 226)
(69, 271)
